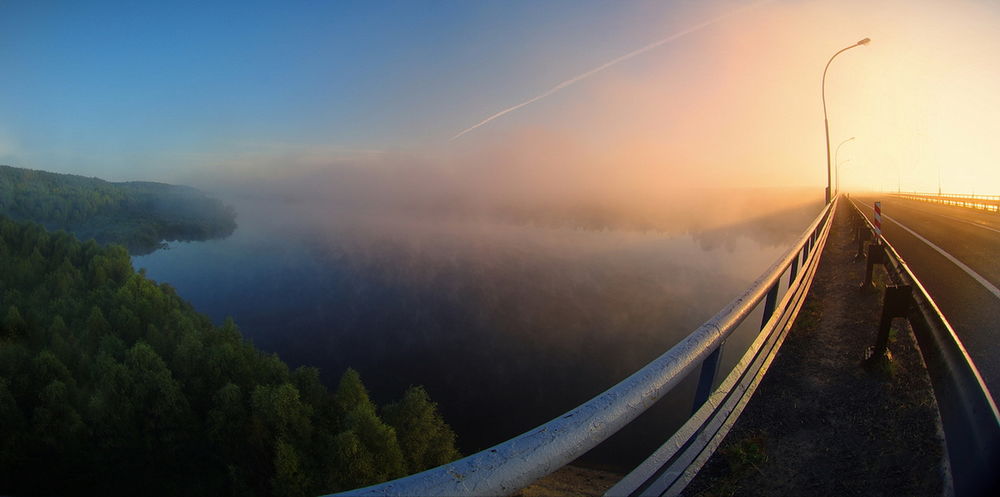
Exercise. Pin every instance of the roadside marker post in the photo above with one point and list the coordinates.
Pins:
(878, 222)
(876, 253)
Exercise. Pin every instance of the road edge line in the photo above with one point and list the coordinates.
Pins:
(961, 265)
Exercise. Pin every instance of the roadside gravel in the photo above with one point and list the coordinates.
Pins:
(820, 423)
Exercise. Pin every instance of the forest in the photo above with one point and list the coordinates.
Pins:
(112, 384)
(138, 215)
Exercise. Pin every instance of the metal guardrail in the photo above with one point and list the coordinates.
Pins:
(989, 203)
(509, 466)
(968, 413)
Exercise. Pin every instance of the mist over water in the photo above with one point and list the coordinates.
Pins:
(508, 316)
(513, 206)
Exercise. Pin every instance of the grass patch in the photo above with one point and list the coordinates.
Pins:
(744, 457)
(809, 315)
(881, 365)
(893, 334)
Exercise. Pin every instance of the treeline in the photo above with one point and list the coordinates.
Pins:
(111, 384)
(138, 215)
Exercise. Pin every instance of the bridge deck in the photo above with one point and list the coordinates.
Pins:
(819, 423)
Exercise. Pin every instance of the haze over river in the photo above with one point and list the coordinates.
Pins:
(507, 324)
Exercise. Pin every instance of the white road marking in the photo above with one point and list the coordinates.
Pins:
(982, 281)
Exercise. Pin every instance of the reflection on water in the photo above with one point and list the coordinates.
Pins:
(507, 325)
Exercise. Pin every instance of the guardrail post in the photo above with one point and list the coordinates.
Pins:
(876, 255)
(864, 235)
(895, 304)
(769, 303)
(793, 271)
(709, 369)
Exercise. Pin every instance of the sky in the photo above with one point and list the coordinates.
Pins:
(728, 95)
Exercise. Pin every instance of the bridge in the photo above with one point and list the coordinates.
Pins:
(940, 233)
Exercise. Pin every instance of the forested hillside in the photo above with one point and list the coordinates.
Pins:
(111, 384)
(138, 215)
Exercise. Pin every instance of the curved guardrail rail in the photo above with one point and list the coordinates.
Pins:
(509, 466)
(968, 413)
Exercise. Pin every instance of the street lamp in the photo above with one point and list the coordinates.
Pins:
(837, 162)
(826, 123)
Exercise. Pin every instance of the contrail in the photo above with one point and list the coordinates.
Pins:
(608, 64)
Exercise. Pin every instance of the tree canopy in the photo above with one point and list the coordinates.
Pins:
(112, 384)
(138, 215)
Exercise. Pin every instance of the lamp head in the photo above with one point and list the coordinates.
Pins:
(864, 41)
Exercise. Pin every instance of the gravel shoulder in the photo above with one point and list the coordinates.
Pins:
(820, 423)
(572, 481)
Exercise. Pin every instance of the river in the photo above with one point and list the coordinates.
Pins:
(506, 325)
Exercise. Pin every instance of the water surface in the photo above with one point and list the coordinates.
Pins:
(507, 325)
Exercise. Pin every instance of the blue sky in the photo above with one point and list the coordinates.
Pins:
(116, 87)
(172, 90)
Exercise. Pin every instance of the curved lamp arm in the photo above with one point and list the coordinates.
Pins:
(826, 123)
(842, 50)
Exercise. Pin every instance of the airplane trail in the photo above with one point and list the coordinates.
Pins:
(612, 62)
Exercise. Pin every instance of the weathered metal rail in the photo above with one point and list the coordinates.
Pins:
(668, 470)
(989, 203)
(509, 466)
(968, 412)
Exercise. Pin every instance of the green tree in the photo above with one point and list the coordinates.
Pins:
(373, 443)
(351, 392)
(425, 439)
(97, 327)
(281, 411)
(161, 407)
(122, 388)
(14, 325)
(227, 421)
(11, 434)
(289, 479)
(55, 422)
(97, 324)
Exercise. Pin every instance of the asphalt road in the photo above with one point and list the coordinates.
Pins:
(968, 296)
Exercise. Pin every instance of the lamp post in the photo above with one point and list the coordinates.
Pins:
(826, 122)
(837, 162)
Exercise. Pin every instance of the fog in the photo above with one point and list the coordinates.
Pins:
(531, 178)
(522, 268)
(470, 197)
(513, 284)
(513, 273)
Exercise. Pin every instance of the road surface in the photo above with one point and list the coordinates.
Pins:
(955, 253)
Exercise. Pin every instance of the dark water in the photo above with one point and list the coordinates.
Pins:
(507, 326)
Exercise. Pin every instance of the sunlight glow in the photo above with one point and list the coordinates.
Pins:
(740, 103)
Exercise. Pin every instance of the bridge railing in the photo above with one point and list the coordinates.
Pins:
(989, 203)
(968, 412)
(509, 466)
